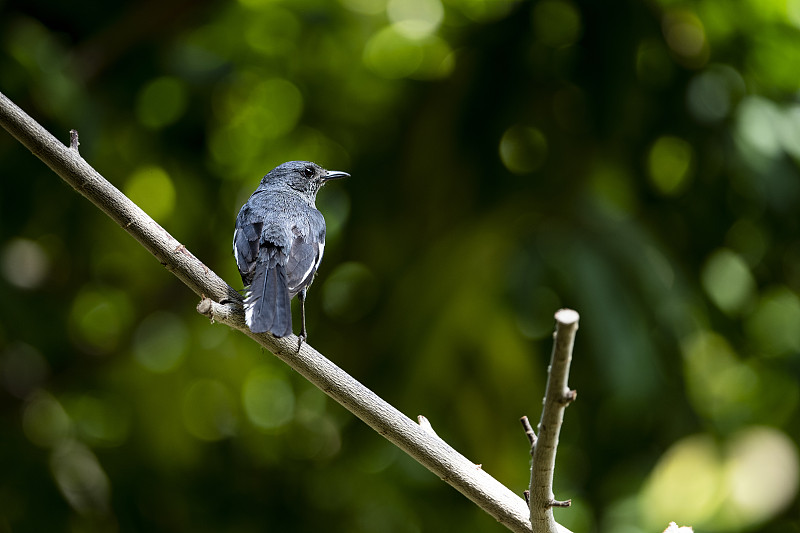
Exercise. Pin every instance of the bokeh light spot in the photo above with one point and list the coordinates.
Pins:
(81, 479)
(268, 399)
(748, 239)
(762, 472)
(365, 7)
(99, 317)
(438, 59)
(273, 108)
(775, 322)
(392, 55)
(790, 130)
(611, 190)
(686, 37)
(727, 280)
(160, 342)
(483, 10)
(773, 57)
(684, 485)
(556, 23)
(721, 388)
(272, 31)
(98, 421)
(253, 110)
(349, 292)
(415, 19)
(151, 189)
(161, 102)
(208, 410)
(25, 263)
(725, 488)
(756, 120)
(44, 420)
(22, 369)
(711, 94)
(523, 149)
(669, 164)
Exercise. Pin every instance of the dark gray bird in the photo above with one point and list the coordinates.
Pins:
(278, 244)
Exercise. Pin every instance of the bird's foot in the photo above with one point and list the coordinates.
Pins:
(300, 340)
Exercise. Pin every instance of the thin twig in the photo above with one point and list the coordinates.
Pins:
(557, 397)
(429, 450)
(559, 503)
(526, 425)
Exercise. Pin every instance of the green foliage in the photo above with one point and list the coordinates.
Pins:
(637, 162)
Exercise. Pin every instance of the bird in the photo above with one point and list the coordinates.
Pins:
(278, 242)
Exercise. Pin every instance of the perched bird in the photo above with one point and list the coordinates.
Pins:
(278, 244)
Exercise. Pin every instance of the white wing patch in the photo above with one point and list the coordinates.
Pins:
(238, 258)
(249, 305)
(311, 268)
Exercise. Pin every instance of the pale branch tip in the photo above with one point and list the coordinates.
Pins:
(567, 316)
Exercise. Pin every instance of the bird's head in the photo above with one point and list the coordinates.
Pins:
(303, 176)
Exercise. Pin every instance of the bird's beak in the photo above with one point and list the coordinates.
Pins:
(334, 175)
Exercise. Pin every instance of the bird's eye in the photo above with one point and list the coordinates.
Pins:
(308, 172)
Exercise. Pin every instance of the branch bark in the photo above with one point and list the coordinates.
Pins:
(423, 445)
(557, 397)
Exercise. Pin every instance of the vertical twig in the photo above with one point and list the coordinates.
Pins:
(544, 446)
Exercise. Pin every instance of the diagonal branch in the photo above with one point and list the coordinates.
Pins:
(424, 446)
(67, 163)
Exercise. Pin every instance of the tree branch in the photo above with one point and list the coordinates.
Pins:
(67, 163)
(557, 397)
(428, 449)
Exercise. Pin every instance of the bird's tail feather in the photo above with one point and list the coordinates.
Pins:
(268, 305)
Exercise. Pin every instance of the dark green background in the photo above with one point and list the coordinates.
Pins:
(635, 161)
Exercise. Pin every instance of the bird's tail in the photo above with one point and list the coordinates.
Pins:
(267, 307)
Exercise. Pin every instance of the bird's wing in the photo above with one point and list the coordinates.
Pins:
(246, 244)
(305, 253)
(302, 263)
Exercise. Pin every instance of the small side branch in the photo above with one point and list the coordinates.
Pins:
(74, 143)
(557, 396)
(425, 424)
(526, 425)
(559, 503)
